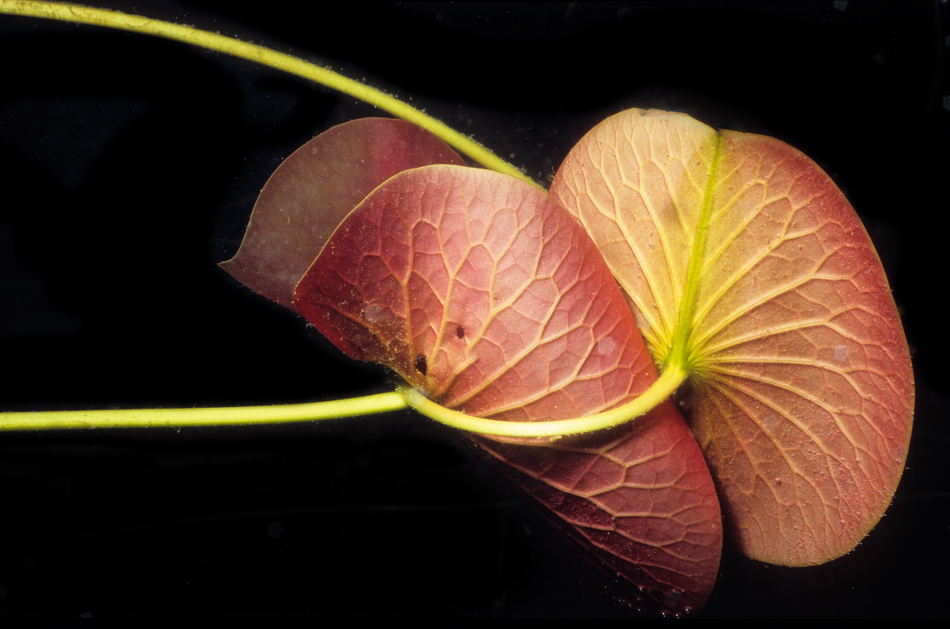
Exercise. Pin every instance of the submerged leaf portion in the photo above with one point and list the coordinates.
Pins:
(315, 188)
(744, 261)
(485, 294)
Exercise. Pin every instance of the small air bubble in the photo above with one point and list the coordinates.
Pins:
(606, 346)
(372, 313)
(421, 364)
(841, 353)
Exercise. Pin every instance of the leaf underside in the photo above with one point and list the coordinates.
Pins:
(485, 294)
(802, 390)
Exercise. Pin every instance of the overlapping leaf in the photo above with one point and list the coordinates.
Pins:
(487, 295)
(482, 292)
(802, 395)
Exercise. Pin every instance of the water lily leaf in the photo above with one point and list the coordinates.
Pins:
(486, 295)
(480, 291)
(313, 189)
(744, 263)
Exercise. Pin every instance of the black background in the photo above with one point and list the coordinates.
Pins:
(128, 169)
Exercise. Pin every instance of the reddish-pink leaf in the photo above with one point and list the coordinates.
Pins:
(484, 293)
(313, 189)
(481, 291)
(744, 250)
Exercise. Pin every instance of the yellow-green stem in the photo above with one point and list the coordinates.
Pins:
(667, 383)
(182, 417)
(267, 57)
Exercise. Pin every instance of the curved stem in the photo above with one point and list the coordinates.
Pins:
(267, 57)
(405, 397)
(665, 385)
(181, 417)
(672, 377)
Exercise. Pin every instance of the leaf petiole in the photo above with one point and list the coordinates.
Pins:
(337, 409)
(182, 417)
(668, 382)
(659, 391)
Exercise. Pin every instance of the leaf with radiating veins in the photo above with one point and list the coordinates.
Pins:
(482, 292)
(313, 189)
(740, 246)
(489, 297)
